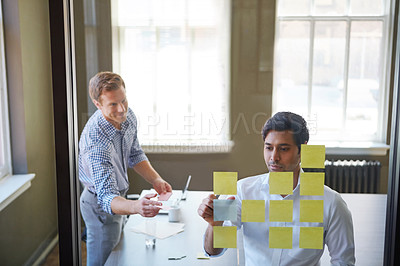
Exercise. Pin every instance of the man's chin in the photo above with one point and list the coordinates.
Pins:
(275, 169)
(121, 119)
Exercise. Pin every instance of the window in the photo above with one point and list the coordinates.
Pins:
(174, 58)
(11, 186)
(5, 154)
(332, 66)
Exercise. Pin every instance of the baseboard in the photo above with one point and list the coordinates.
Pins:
(41, 253)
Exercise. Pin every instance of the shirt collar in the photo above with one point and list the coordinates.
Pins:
(109, 129)
(124, 126)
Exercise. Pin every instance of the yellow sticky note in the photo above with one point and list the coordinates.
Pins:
(280, 237)
(281, 183)
(224, 236)
(312, 156)
(281, 211)
(225, 183)
(253, 211)
(311, 237)
(312, 184)
(312, 211)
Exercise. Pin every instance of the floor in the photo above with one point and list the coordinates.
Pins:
(53, 258)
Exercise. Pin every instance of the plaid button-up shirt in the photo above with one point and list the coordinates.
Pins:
(104, 155)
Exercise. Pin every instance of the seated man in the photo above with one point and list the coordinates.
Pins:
(283, 135)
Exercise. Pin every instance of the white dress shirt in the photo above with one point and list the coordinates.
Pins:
(337, 223)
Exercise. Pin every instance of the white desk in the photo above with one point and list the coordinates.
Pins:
(369, 218)
(132, 250)
(368, 211)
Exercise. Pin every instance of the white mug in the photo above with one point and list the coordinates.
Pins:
(173, 214)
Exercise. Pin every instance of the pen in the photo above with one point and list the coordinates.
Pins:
(176, 258)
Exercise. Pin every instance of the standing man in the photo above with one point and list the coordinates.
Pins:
(283, 135)
(107, 147)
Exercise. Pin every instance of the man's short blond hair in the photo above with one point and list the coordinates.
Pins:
(107, 81)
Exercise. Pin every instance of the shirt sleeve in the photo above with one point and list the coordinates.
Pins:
(137, 154)
(236, 223)
(339, 235)
(209, 255)
(102, 171)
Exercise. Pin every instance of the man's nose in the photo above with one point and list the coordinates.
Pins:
(275, 155)
(121, 107)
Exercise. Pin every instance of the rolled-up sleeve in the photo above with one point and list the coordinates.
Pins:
(102, 171)
(137, 155)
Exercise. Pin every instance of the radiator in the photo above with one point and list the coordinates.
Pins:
(353, 176)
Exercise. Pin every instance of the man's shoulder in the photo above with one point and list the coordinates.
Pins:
(92, 134)
(93, 121)
(131, 117)
(330, 192)
(332, 197)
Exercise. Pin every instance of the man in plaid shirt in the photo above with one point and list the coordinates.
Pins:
(107, 147)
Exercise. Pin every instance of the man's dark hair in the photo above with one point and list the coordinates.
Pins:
(283, 121)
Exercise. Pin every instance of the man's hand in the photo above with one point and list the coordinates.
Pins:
(147, 207)
(206, 210)
(161, 186)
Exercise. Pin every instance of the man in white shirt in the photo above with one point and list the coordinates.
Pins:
(283, 135)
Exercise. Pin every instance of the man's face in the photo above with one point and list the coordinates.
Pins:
(281, 153)
(114, 106)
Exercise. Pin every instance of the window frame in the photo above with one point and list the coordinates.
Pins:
(5, 139)
(379, 145)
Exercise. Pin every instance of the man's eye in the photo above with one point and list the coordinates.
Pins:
(284, 149)
(268, 148)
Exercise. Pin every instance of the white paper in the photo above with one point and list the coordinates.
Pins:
(162, 230)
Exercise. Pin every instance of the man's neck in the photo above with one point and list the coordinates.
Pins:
(296, 174)
(115, 124)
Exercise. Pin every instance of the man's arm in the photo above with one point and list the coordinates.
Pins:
(101, 170)
(139, 162)
(145, 207)
(209, 240)
(339, 236)
(145, 169)
(206, 211)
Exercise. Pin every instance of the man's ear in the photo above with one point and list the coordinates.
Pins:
(305, 142)
(97, 104)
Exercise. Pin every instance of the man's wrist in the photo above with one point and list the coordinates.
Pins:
(134, 204)
(157, 179)
(216, 223)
